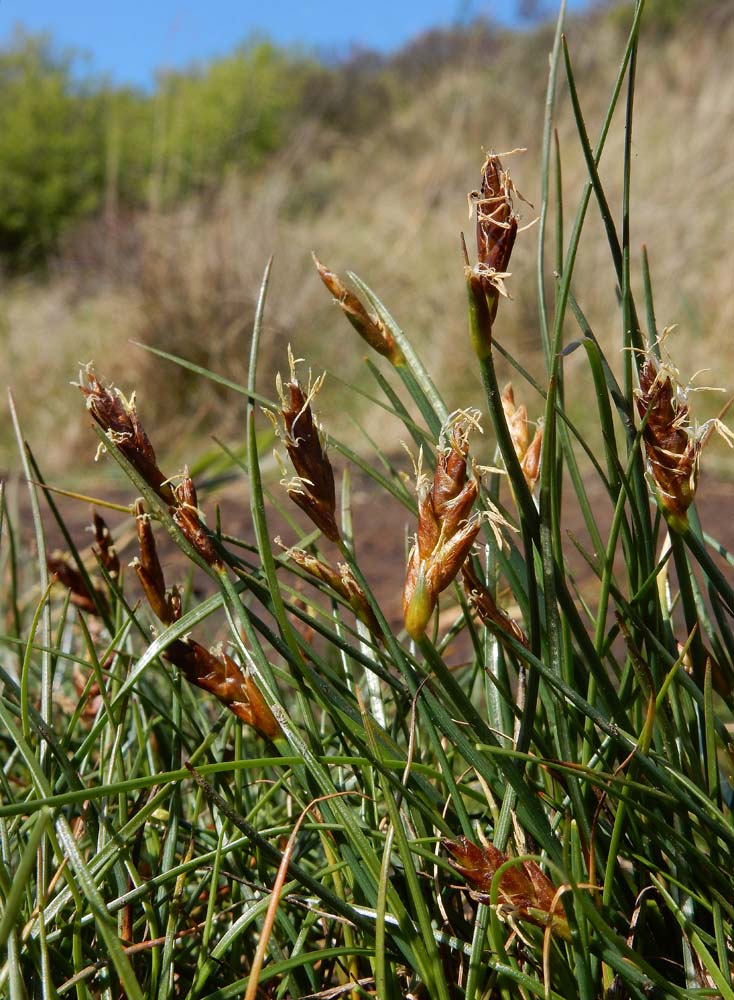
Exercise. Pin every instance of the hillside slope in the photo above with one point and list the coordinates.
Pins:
(389, 205)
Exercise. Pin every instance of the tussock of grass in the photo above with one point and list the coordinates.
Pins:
(533, 798)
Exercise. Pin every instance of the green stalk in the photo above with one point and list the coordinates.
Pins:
(550, 100)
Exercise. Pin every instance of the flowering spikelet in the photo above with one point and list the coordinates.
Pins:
(525, 892)
(496, 230)
(185, 492)
(673, 446)
(188, 520)
(369, 327)
(104, 547)
(69, 576)
(527, 451)
(166, 605)
(446, 531)
(484, 603)
(313, 488)
(672, 454)
(342, 581)
(226, 680)
(88, 597)
(118, 417)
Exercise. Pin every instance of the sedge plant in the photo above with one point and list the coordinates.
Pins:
(347, 797)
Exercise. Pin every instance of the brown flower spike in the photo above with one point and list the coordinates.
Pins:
(313, 487)
(69, 576)
(104, 547)
(341, 581)
(496, 230)
(673, 446)
(524, 891)
(189, 521)
(219, 675)
(166, 605)
(226, 680)
(527, 451)
(486, 607)
(672, 454)
(118, 417)
(446, 530)
(369, 327)
(88, 598)
(197, 535)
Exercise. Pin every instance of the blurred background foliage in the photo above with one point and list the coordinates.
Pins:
(70, 149)
(128, 215)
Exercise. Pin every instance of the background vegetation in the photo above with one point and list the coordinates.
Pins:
(145, 217)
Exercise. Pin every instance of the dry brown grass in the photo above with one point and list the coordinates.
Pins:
(390, 207)
(48, 331)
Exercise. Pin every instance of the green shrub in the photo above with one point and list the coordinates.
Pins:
(51, 160)
(228, 115)
(70, 150)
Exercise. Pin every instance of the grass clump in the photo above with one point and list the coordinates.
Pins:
(521, 788)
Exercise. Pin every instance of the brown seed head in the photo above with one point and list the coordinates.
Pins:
(358, 601)
(455, 512)
(496, 229)
(369, 327)
(522, 887)
(450, 477)
(429, 526)
(226, 680)
(494, 214)
(303, 443)
(315, 567)
(104, 547)
(185, 492)
(528, 452)
(196, 533)
(342, 582)
(256, 712)
(452, 553)
(118, 417)
(496, 232)
(69, 576)
(517, 421)
(166, 605)
(486, 607)
(673, 452)
(313, 488)
(530, 464)
(446, 529)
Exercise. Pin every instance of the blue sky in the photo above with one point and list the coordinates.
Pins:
(127, 40)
